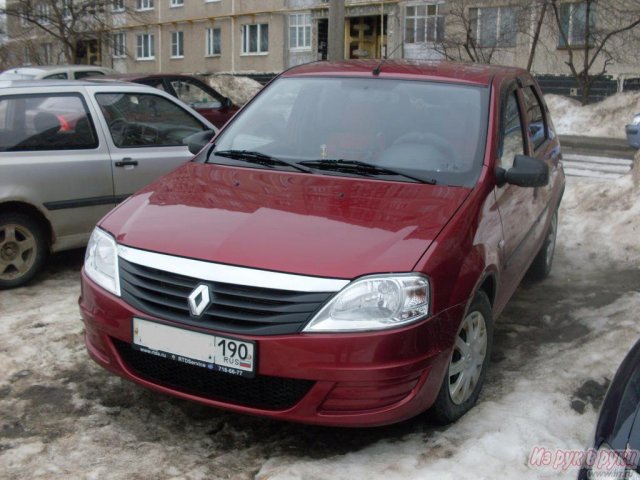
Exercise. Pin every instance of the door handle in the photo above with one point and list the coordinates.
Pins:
(127, 162)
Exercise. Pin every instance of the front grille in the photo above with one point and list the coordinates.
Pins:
(234, 308)
(264, 392)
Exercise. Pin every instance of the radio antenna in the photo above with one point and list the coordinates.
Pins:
(376, 70)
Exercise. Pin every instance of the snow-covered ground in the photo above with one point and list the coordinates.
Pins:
(603, 119)
(556, 347)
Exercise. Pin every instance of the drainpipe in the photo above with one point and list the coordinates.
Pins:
(336, 30)
(159, 62)
(233, 36)
(382, 55)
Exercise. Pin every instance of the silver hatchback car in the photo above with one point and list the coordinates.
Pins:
(70, 151)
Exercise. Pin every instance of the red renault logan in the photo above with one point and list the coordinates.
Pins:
(338, 253)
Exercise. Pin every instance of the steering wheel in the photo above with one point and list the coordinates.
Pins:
(435, 141)
(118, 128)
(148, 135)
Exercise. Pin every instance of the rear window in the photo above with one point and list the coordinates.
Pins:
(45, 122)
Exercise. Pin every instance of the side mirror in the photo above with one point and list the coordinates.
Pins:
(226, 102)
(526, 172)
(198, 141)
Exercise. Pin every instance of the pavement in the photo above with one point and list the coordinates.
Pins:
(596, 157)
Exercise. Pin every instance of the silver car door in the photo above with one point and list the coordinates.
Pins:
(146, 132)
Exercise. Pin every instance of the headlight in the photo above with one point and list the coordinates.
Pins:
(609, 465)
(101, 261)
(374, 303)
(636, 120)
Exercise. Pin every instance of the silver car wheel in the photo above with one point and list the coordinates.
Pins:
(17, 251)
(468, 356)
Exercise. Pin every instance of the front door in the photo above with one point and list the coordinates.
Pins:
(519, 207)
(364, 37)
(146, 137)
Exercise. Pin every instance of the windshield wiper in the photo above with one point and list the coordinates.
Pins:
(362, 168)
(260, 159)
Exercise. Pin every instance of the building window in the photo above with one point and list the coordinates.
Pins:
(26, 54)
(67, 5)
(213, 42)
(177, 44)
(144, 4)
(423, 23)
(117, 6)
(300, 31)
(47, 53)
(119, 45)
(146, 46)
(573, 18)
(255, 38)
(177, 3)
(43, 13)
(494, 26)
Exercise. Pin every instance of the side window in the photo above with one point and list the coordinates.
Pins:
(512, 140)
(80, 75)
(194, 95)
(56, 76)
(146, 120)
(535, 115)
(45, 122)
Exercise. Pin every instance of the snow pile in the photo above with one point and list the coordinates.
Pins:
(603, 119)
(239, 89)
(495, 440)
(600, 223)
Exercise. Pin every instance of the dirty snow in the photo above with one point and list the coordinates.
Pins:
(239, 89)
(603, 119)
(556, 347)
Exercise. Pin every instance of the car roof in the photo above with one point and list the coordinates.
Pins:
(139, 76)
(46, 84)
(48, 68)
(455, 72)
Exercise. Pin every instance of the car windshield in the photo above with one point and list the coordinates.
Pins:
(427, 130)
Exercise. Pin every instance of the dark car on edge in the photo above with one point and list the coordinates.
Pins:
(204, 99)
(616, 444)
(338, 253)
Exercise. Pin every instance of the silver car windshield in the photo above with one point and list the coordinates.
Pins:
(426, 129)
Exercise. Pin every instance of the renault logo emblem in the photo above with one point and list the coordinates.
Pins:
(199, 300)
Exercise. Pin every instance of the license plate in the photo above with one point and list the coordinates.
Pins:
(213, 352)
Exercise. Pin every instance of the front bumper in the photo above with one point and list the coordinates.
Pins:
(349, 379)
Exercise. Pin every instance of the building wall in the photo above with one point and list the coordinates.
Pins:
(195, 16)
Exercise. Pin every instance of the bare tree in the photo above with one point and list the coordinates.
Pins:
(594, 42)
(69, 22)
(465, 41)
(460, 42)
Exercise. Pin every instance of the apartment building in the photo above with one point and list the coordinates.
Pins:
(246, 36)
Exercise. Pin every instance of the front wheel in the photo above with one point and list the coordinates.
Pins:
(541, 266)
(22, 249)
(468, 363)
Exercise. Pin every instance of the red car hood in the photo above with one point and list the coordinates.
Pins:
(320, 225)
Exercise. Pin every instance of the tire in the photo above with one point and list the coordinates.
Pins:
(23, 249)
(460, 389)
(541, 266)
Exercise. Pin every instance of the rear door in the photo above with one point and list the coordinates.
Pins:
(54, 156)
(146, 129)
